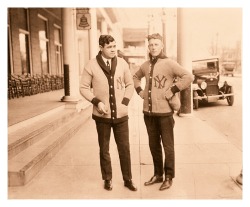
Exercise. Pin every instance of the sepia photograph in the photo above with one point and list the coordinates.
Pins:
(109, 103)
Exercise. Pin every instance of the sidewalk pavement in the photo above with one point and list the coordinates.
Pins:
(205, 162)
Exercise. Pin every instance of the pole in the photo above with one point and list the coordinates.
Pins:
(184, 57)
(68, 55)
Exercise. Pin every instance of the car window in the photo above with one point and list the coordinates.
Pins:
(204, 68)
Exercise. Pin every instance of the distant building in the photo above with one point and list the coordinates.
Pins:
(135, 46)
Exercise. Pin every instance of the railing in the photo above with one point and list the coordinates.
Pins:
(27, 85)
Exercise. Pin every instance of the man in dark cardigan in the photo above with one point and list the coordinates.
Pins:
(113, 87)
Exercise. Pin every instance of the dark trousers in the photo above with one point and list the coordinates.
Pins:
(160, 130)
(121, 135)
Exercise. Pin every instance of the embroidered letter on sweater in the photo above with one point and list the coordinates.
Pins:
(119, 83)
(160, 81)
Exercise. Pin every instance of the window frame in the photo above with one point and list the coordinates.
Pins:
(27, 35)
(46, 39)
(59, 69)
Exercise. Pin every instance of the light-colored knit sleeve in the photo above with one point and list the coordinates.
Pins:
(85, 83)
(137, 80)
(185, 77)
(129, 85)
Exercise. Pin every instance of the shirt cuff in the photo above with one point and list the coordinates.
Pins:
(175, 89)
(125, 101)
(138, 89)
(95, 101)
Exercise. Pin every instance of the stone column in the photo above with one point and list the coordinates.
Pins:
(184, 56)
(71, 82)
(93, 39)
(104, 27)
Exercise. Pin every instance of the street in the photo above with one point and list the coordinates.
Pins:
(224, 118)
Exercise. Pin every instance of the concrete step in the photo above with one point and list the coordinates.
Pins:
(27, 163)
(30, 133)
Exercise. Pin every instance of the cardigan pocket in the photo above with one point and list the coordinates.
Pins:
(122, 110)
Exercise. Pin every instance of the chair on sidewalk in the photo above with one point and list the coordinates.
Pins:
(26, 83)
(17, 86)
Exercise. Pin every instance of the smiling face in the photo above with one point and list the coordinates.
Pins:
(155, 47)
(108, 50)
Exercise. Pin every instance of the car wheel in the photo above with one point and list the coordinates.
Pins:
(196, 101)
(230, 99)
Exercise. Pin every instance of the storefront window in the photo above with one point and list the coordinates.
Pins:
(9, 54)
(24, 52)
(58, 46)
(43, 41)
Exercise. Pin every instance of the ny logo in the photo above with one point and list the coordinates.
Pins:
(119, 83)
(160, 81)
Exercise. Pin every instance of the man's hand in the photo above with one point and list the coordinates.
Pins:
(102, 108)
(168, 94)
(141, 94)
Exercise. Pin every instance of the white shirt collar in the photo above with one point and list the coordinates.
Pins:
(105, 60)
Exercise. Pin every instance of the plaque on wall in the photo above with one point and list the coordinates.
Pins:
(83, 19)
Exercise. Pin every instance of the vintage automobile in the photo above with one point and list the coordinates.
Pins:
(206, 85)
(228, 68)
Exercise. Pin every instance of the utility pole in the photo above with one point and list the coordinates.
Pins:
(216, 44)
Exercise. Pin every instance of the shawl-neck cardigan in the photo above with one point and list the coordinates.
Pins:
(160, 74)
(112, 87)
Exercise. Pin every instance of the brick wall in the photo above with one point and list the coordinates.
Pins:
(18, 21)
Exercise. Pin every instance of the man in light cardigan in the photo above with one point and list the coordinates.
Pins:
(159, 104)
(112, 88)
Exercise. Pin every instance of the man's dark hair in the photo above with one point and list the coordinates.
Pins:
(105, 39)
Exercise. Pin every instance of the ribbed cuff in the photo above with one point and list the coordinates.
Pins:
(138, 89)
(175, 89)
(95, 101)
(125, 101)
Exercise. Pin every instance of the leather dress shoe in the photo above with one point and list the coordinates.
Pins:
(166, 184)
(108, 185)
(130, 185)
(154, 179)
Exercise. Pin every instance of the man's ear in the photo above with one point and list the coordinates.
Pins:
(100, 47)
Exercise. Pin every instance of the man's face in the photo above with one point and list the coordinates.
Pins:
(109, 50)
(155, 47)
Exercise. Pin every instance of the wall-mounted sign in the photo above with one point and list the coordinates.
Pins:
(83, 19)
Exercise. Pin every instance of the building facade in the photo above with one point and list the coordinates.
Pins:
(41, 41)
(34, 41)
(56, 43)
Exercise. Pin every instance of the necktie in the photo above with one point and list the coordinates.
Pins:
(108, 65)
